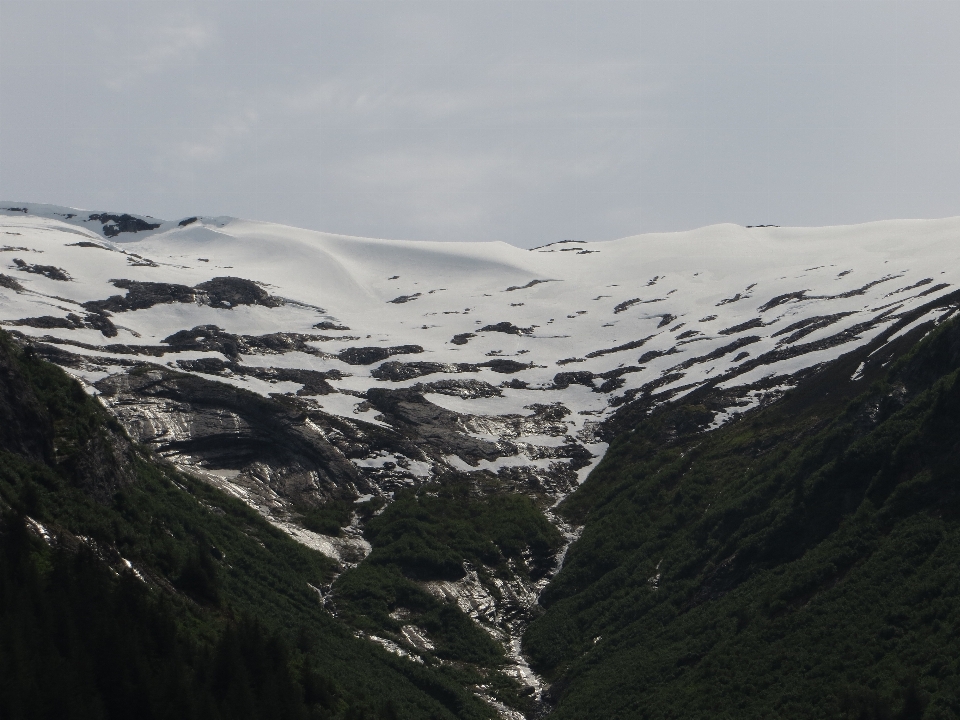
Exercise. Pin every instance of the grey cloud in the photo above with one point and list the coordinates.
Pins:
(519, 121)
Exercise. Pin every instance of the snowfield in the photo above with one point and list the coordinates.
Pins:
(291, 368)
(483, 330)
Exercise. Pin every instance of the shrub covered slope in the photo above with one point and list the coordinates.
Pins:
(155, 595)
(801, 562)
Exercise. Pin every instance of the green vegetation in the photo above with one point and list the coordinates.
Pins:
(798, 563)
(75, 636)
(429, 534)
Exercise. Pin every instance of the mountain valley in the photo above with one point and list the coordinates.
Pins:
(581, 480)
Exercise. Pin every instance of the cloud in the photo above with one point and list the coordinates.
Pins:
(224, 134)
(148, 49)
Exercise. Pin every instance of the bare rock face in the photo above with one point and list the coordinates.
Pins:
(220, 292)
(198, 421)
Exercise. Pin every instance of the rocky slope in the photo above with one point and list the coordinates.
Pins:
(302, 371)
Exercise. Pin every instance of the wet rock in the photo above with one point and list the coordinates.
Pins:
(227, 427)
(429, 425)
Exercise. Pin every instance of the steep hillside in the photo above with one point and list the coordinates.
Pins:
(424, 415)
(800, 562)
(129, 589)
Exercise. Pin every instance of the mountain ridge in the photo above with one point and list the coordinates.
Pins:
(362, 394)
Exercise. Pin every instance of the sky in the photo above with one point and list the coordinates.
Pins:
(524, 121)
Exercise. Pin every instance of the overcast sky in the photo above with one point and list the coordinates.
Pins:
(520, 121)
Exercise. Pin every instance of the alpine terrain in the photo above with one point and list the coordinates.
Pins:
(701, 474)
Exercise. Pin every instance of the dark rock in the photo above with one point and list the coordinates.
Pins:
(404, 299)
(220, 292)
(666, 320)
(566, 379)
(100, 320)
(808, 325)
(187, 221)
(398, 371)
(719, 352)
(528, 285)
(467, 388)
(633, 345)
(506, 327)
(226, 292)
(508, 367)
(608, 386)
(742, 327)
(113, 225)
(781, 299)
(88, 244)
(735, 298)
(624, 305)
(314, 381)
(462, 338)
(49, 322)
(370, 355)
(208, 366)
(49, 271)
(515, 384)
(327, 325)
(142, 295)
(228, 427)
(205, 337)
(430, 425)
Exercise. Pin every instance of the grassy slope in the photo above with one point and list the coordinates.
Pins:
(801, 562)
(225, 561)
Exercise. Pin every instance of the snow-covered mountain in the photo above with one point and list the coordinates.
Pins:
(519, 354)
(292, 367)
